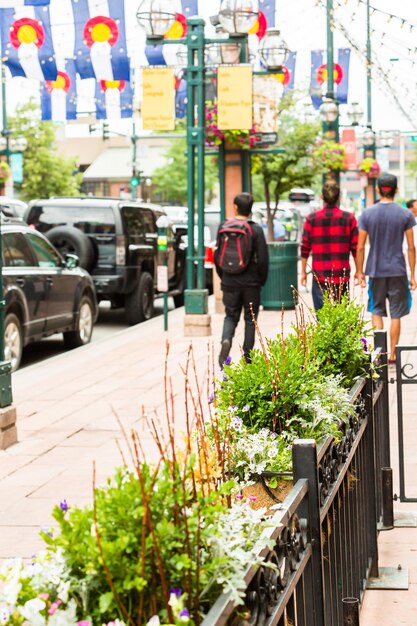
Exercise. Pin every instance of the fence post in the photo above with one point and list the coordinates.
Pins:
(304, 458)
(350, 611)
(387, 499)
(374, 485)
(381, 342)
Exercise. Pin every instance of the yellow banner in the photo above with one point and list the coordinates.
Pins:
(158, 98)
(235, 97)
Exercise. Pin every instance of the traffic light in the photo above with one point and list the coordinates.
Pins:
(135, 180)
(106, 131)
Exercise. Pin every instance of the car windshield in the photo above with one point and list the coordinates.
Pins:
(91, 220)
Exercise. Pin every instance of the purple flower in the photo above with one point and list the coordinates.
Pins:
(228, 360)
(365, 344)
(184, 615)
(237, 423)
(211, 398)
(239, 496)
(246, 407)
(63, 506)
(233, 409)
(176, 591)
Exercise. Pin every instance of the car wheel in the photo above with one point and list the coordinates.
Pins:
(139, 303)
(13, 340)
(85, 322)
(68, 240)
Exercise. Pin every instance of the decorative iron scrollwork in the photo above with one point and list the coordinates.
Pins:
(265, 590)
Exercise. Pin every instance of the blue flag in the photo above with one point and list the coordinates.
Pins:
(26, 43)
(59, 97)
(342, 88)
(13, 4)
(268, 9)
(100, 41)
(114, 99)
(290, 62)
(315, 84)
(189, 7)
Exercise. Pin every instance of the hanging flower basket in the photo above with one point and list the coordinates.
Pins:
(370, 167)
(244, 139)
(330, 155)
(4, 171)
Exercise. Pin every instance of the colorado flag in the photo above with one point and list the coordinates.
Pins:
(100, 39)
(7, 4)
(26, 42)
(59, 97)
(114, 99)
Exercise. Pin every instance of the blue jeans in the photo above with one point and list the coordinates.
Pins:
(319, 289)
(234, 301)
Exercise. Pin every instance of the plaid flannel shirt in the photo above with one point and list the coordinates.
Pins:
(330, 235)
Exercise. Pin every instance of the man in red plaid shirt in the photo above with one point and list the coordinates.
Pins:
(330, 235)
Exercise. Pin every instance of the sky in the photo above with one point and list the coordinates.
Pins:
(303, 25)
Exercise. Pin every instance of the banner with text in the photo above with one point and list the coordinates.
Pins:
(349, 141)
(235, 97)
(158, 98)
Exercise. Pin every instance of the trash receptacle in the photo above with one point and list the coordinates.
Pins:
(282, 277)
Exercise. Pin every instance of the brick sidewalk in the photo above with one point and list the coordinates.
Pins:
(67, 410)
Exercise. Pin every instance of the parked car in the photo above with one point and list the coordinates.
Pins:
(287, 214)
(11, 207)
(44, 293)
(117, 242)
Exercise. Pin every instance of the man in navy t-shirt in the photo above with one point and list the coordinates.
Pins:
(385, 223)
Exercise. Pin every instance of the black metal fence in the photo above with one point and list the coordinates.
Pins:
(405, 376)
(325, 531)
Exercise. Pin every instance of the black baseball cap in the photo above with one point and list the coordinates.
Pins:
(387, 182)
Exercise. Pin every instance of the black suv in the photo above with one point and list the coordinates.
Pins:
(44, 293)
(117, 242)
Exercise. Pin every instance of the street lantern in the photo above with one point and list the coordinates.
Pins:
(368, 138)
(238, 16)
(18, 144)
(273, 50)
(355, 113)
(328, 111)
(223, 53)
(156, 17)
(386, 138)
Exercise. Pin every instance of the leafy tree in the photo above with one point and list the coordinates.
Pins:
(276, 175)
(45, 173)
(170, 180)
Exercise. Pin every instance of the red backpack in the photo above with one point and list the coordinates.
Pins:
(234, 246)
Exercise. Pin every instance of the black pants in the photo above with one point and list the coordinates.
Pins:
(234, 300)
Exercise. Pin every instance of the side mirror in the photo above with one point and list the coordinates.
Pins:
(71, 261)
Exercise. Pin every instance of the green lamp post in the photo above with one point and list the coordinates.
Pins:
(236, 18)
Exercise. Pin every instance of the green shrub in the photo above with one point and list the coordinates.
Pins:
(339, 338)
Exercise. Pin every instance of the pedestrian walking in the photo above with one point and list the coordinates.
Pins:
(241, 259)
(385, 223)
(412, 205)
(330, 236)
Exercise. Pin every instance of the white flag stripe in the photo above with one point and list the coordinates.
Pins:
(23, 11)
(113, 106)
(98, 7)
(101, 60)
(59, 105)
(29, 60)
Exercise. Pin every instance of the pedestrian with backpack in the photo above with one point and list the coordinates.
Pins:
(241, 259)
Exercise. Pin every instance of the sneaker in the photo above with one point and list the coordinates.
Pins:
(224, 352)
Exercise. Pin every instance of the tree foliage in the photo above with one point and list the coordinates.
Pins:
(45, 173)
(276, 175)
(170, 180)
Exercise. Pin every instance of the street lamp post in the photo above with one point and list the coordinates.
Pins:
(329, 110)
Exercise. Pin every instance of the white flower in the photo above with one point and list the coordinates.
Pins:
(154, 621)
